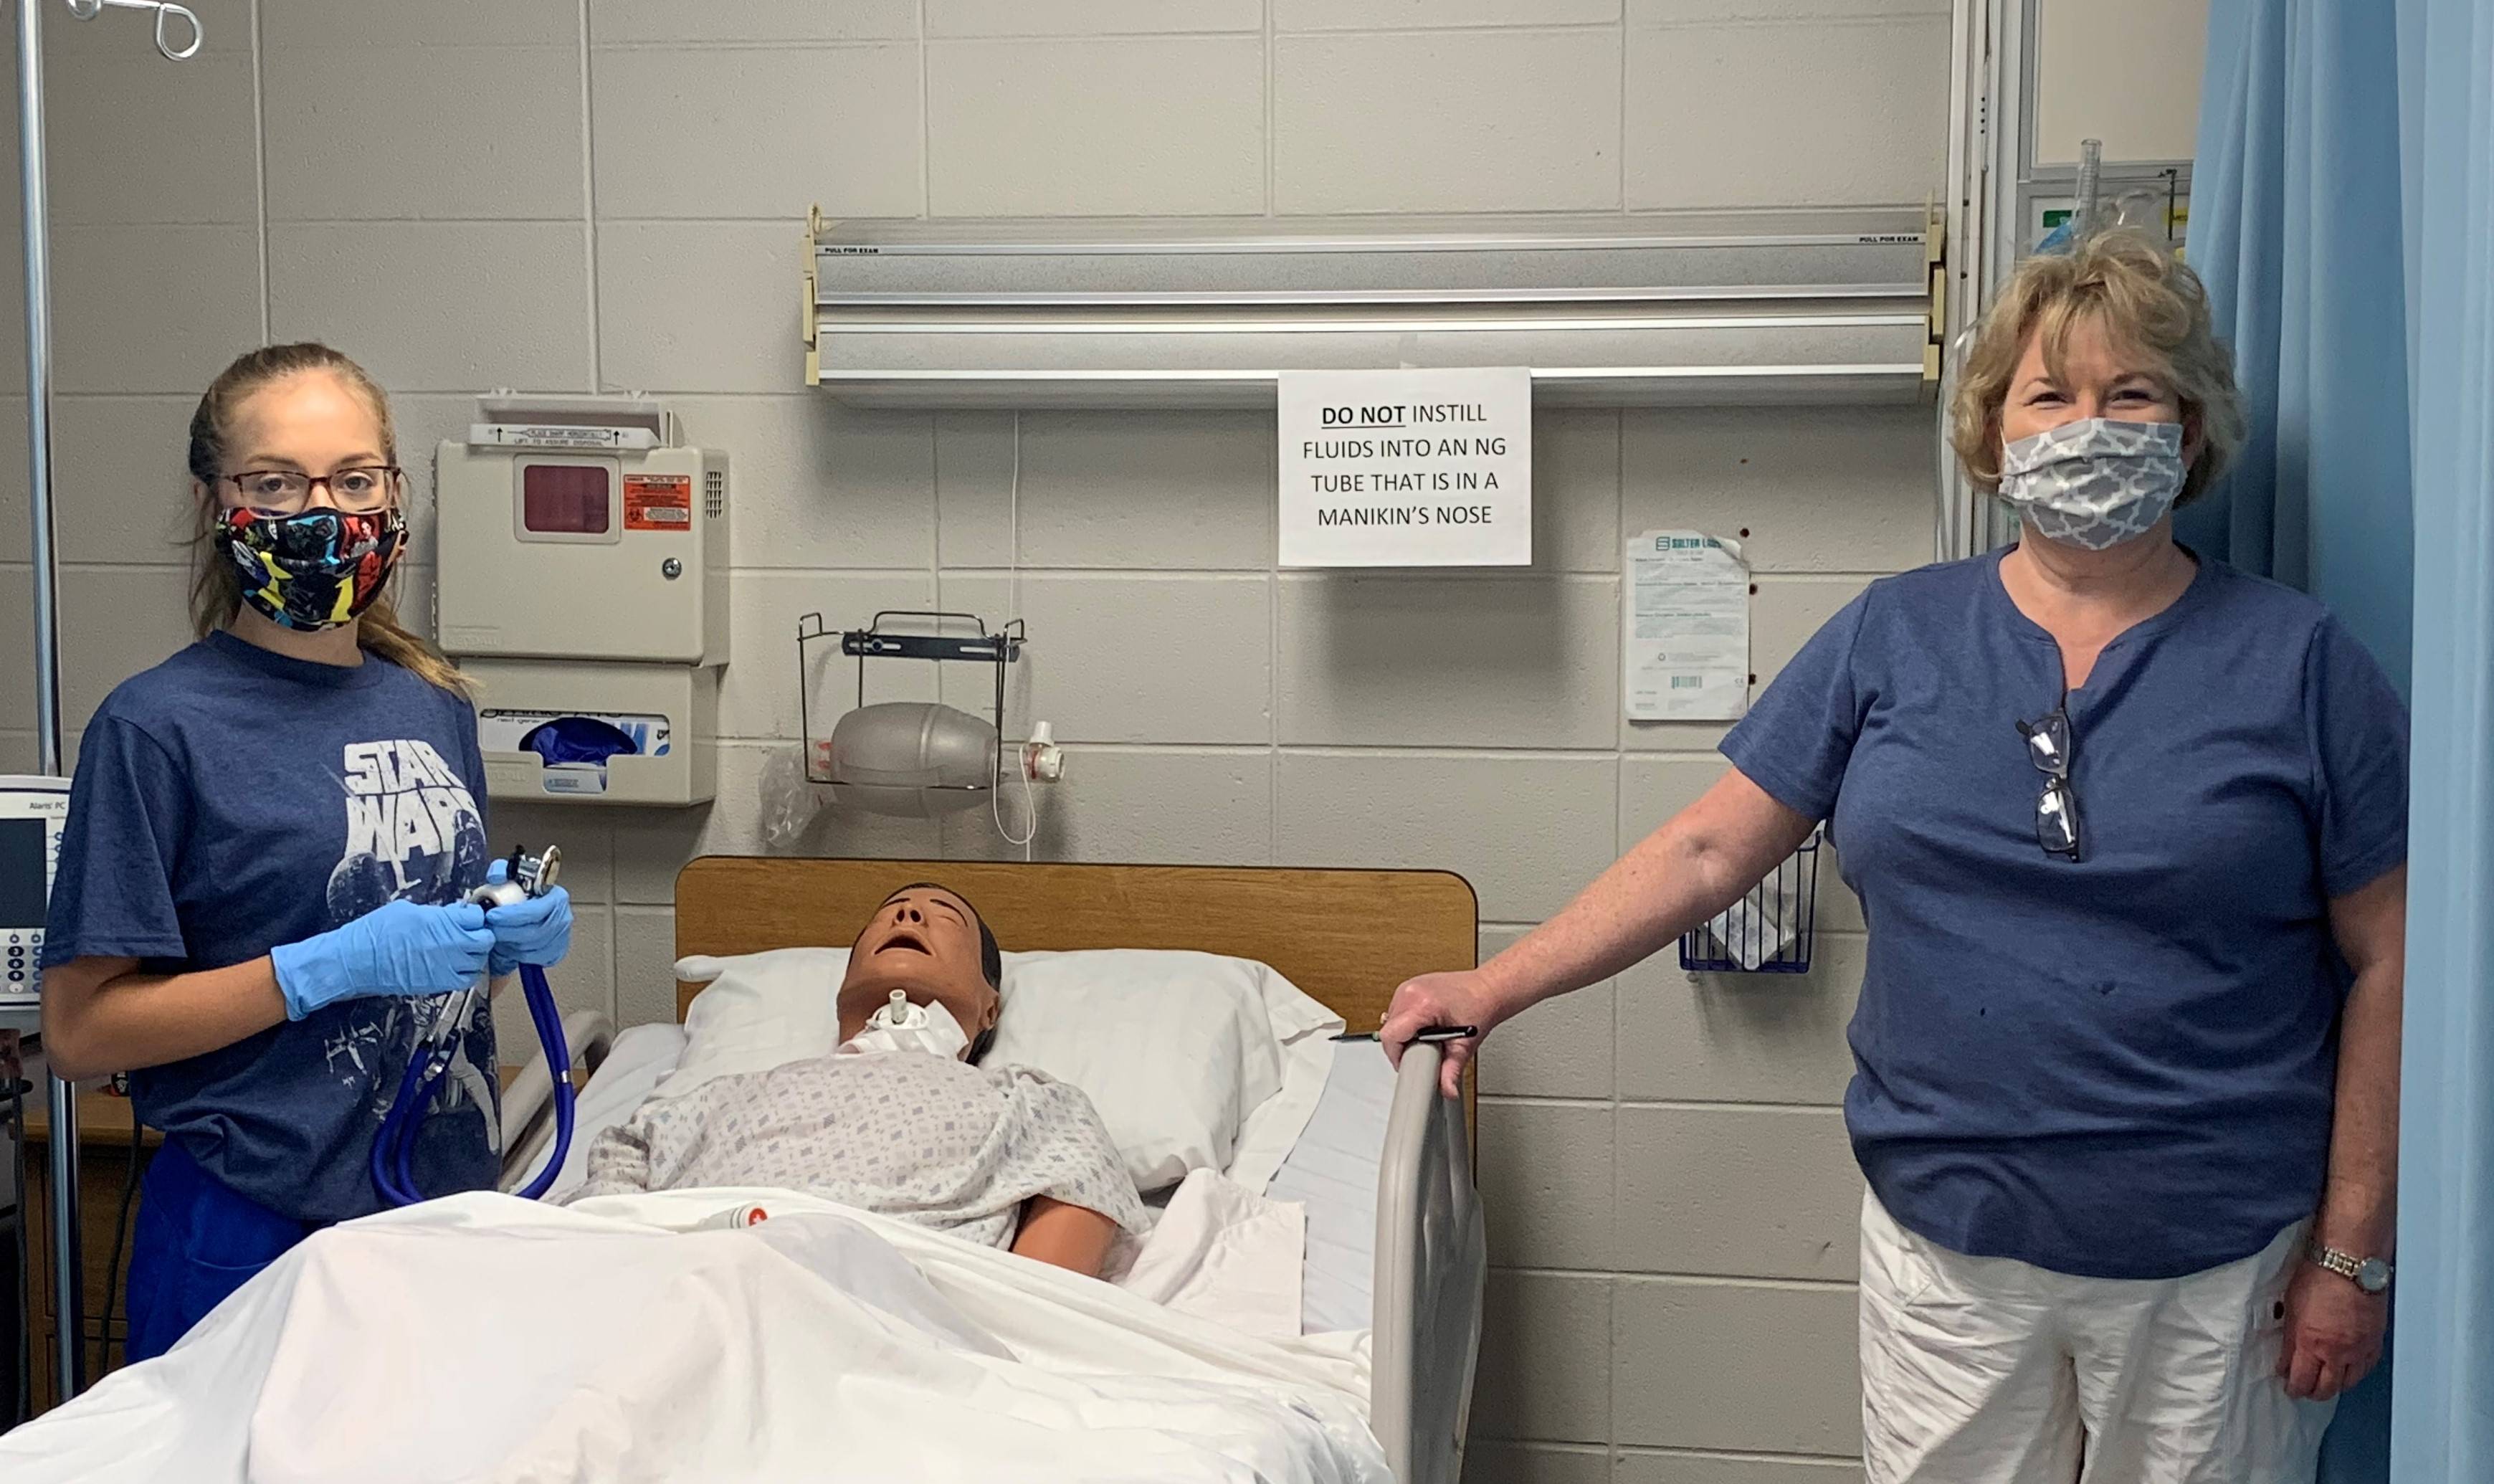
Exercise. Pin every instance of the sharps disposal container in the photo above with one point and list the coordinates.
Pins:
(583, 585)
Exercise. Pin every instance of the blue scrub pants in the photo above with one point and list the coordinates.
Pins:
(196, 1242)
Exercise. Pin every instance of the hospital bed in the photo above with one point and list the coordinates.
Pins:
(1346, 938)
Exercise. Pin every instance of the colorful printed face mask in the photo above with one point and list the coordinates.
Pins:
(312, 570)
(2095, 482)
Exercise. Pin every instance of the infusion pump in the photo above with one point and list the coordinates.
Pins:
(32, 813)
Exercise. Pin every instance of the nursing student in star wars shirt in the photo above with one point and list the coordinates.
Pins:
(259, 913)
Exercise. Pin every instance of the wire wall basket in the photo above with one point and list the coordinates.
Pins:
(1769, 930)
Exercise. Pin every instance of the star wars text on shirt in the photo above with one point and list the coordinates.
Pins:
(413, 828)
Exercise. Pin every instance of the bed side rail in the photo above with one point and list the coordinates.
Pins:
(1432, 1257)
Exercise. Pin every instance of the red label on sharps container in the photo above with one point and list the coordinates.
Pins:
(658, 503)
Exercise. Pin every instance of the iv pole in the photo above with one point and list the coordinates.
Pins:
(68, 1277)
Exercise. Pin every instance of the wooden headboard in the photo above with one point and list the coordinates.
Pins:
(1347, 937)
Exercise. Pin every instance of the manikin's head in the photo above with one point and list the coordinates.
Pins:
(930, 944)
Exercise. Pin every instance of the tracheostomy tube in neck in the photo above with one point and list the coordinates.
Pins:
(900, 1025)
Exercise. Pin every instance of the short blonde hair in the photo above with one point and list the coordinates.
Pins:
(2146, 301)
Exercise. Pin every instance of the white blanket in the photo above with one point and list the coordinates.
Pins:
(1223, 1252)
(485, 1337)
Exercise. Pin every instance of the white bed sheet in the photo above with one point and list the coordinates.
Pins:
(486, 1337)
(1331, 1170)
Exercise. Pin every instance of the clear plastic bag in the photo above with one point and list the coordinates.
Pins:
(789, 802)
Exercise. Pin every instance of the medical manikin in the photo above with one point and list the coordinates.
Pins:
(903, 1118)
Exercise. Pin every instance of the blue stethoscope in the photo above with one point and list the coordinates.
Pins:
(394, 1147)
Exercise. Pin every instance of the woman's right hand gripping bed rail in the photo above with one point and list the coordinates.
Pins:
(1432, 1257)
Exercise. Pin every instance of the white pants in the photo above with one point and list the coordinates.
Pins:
(1988, 1371)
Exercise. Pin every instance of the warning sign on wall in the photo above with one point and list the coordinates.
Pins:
(1418, 468)
(658, 502)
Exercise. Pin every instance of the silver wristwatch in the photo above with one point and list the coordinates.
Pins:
(2370, 1274)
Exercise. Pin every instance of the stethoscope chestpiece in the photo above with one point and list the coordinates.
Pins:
(537, 874)
(524, 876)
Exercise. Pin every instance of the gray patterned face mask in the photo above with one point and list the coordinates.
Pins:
(2096, 482)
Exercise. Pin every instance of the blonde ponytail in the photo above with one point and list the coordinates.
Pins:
(216, 593)
(379, 630)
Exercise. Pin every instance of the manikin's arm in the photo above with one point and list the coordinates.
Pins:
(1072, 1237)
(619, 1161)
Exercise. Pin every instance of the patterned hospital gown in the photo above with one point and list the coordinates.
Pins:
(927, 1140)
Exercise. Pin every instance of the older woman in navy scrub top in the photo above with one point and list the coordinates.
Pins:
(2129, 832)
(259, 910)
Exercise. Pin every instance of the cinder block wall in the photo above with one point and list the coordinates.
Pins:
(554, 195)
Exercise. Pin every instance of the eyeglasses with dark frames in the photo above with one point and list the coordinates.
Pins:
(360, 490)
(2050, 742)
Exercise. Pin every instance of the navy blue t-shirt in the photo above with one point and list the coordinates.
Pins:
(231, 799)
(2120, 1067)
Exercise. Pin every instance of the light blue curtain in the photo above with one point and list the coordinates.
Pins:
(2295, 227)
(2443, 1407)
(2342, 214)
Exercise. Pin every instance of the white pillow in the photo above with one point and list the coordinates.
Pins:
(760, 1011)
(1193, 1061)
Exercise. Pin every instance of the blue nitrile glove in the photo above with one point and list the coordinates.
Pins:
(402, 948)
(537, 931)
